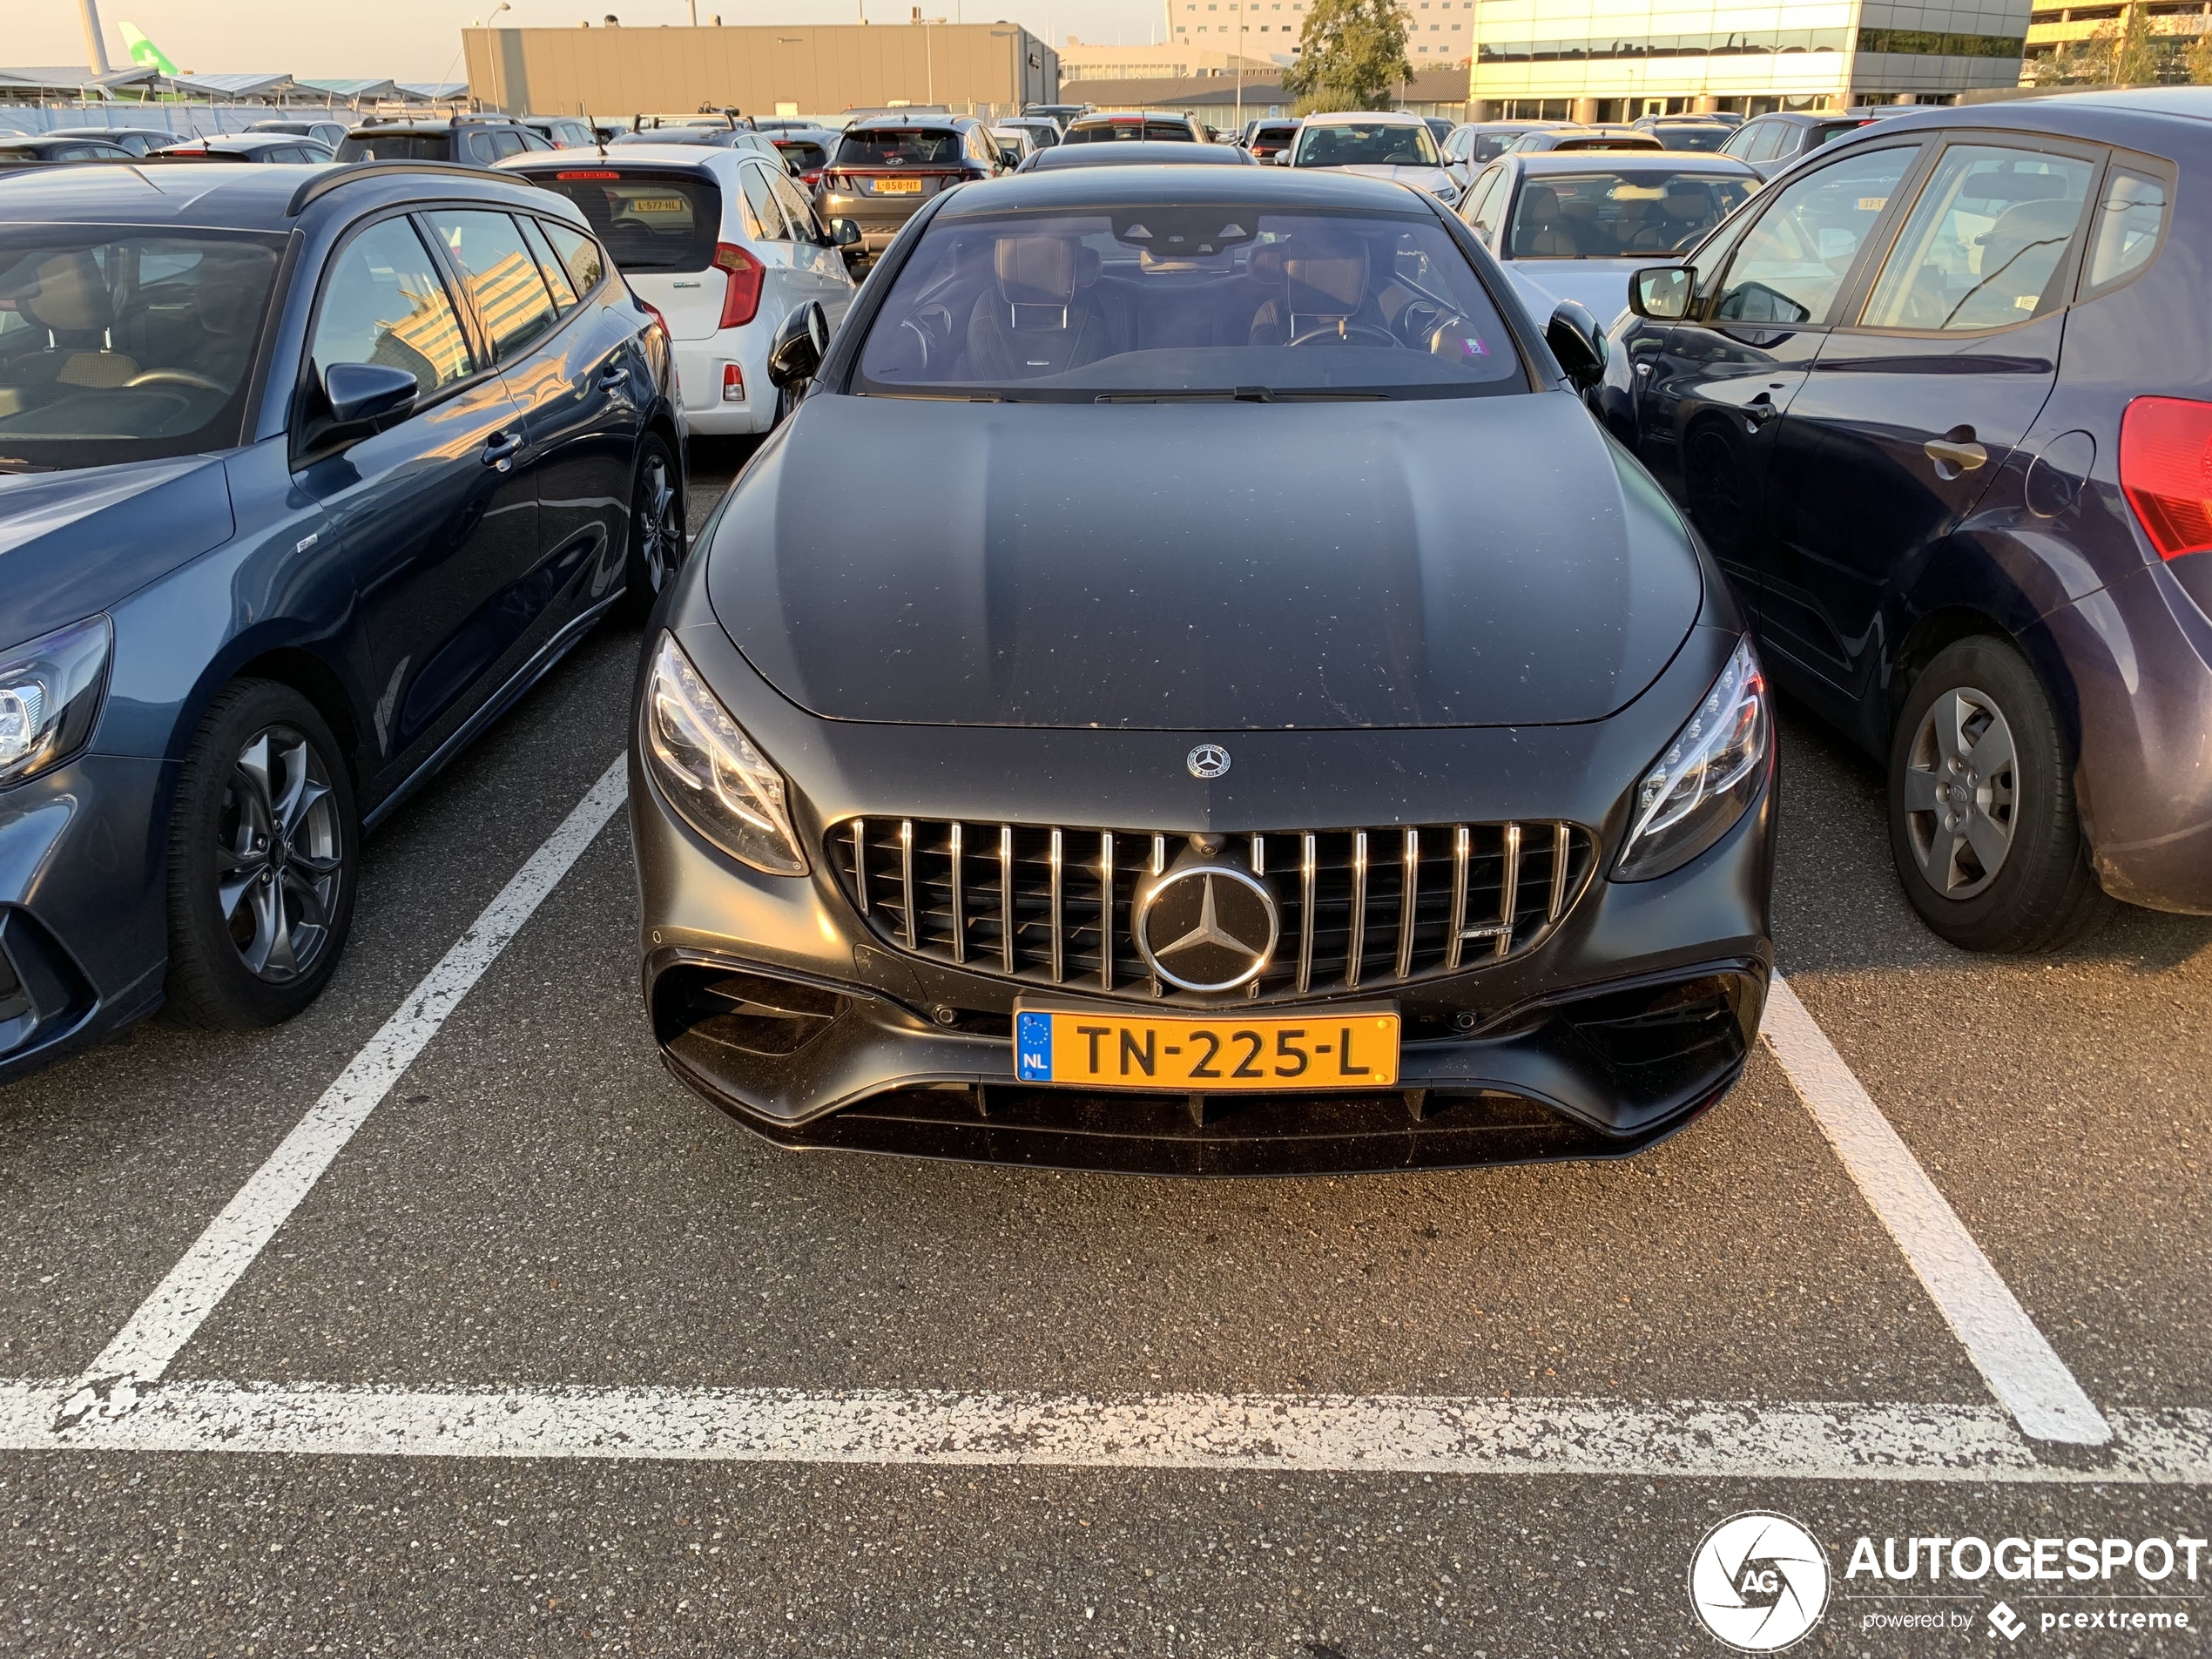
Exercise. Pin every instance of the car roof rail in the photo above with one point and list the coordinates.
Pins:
(323, 183)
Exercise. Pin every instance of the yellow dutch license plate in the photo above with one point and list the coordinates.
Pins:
(657, 205)
(898, 186)
(1302, 1052)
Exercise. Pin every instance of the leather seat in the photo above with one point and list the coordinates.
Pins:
(1540, 230)
(1042, 314)
(1325, 280)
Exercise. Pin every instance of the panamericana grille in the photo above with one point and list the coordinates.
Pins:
(1362, 909)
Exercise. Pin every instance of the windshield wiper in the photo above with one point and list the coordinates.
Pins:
(1243, 395)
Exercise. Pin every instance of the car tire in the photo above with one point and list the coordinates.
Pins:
(656, 528)
(264, 859)
(1983, 823)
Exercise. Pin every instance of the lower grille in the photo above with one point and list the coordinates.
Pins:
(1359, 910)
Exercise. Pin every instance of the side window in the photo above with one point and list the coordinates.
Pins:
(479, 145)
(1745, 139)
(555, 275)
(503, 277)
(2129, 218)
(586, 265)
(383, 302)
(1985, 241)
(1483, 202)
(798, 210)
(765, 220)
(1790, 265)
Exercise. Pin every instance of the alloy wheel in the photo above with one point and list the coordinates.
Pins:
(659, 531)
(1960, 793)
(280, 861)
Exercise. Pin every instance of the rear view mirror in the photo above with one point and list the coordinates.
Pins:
(360, 393)
(1575, 340)
(1662, 292)
(801, 343)
(844, 232)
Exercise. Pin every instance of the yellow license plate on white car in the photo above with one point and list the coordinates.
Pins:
(659, 204)
(898, 186)
(1317, 1048)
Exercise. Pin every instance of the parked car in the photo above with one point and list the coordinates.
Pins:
(1475, 142)
(724, 245)
(1267, 137)
(563, 131)
(1044, 132)
(1382, 143)
(888, 165)
(1550, 138)
(476, 140)
(1133, 126)
(17, 151)
(1695, 132)
(1060, 114)
(1575, 226)
(1937, 400)
(327, 132)
(1140, 154)
(279, 147)
(700, 135)
(806, 151)
(1439, 127)
(307, 474)
(1774, 142)
(137, 140)
(995, 816)
(1016, 144)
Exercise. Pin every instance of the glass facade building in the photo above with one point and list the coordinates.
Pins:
(1617, 60)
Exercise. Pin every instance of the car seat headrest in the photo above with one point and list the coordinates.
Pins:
(2022, 231)
(72, 297)
(1036, 278)
(1328, 279)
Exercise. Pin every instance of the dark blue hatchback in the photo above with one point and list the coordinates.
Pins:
(305, 475)
(1939, 398)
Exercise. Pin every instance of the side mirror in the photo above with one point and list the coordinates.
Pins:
(1662, 292)
(360, 393)
(844, 232)
(801, 343)
(1575, 340)
(1283, 157)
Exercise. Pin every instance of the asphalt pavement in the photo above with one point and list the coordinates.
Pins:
(535, 1216)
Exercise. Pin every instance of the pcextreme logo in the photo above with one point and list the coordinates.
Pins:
(1759, 1582)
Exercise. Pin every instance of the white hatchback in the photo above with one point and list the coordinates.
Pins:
(723, 245)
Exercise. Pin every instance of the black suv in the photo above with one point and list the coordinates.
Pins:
(476, 140)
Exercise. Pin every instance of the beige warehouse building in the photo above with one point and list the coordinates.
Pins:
(612, 72)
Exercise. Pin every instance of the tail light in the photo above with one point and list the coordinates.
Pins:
(732, 383)
(740, 304)
(810, 179)
(652, 311)
(2166, 471)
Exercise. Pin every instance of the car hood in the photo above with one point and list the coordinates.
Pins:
(75, 542)
(1601, 285)
(1484, 561)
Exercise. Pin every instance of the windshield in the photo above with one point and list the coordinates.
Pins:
(1617, 215)
(899, 148)
(1367, 144)
(395, 146)
(1128, 302)
(124, 344)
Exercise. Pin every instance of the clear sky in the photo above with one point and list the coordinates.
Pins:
(418, 40)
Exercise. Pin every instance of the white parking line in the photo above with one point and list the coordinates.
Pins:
(1826, 1441)
(2019, 1363)
(166, 1319)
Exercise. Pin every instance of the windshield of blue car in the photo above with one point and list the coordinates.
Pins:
(1367, 144)
(120, 343)
(1150, 300)
(1620, 215)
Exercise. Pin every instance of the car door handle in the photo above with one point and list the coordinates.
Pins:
(500, 448)
(613, 375)
(1966, 455)
(1760, 410)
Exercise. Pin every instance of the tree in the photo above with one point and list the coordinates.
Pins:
(2121, 55)
(2197, 61)
(1351, 54)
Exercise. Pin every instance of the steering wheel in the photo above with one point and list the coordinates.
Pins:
(1345, 331)
(175, 377)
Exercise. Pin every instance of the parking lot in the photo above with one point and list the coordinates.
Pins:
(523, 1348)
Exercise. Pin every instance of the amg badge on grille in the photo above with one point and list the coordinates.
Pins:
(1208, 760)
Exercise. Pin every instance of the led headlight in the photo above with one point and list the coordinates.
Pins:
(724, 787)
(1709, 774)
(49, 697)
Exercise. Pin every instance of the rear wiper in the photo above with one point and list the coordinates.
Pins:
(1243, 394)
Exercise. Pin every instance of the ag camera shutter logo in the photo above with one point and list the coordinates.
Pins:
(1759, 1582)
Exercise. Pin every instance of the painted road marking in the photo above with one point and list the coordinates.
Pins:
(1824, 1441)
(166, 1319)
(2014, 1356)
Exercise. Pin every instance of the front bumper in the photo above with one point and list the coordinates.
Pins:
(770, 998)
(83, 930)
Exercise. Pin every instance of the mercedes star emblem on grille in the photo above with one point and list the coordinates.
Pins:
(1207, 927)
(1208, 760)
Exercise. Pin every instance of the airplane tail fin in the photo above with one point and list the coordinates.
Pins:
(144, 52)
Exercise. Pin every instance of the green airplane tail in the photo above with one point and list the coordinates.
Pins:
(144, 52)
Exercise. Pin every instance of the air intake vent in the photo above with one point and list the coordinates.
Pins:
(1358, 909)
